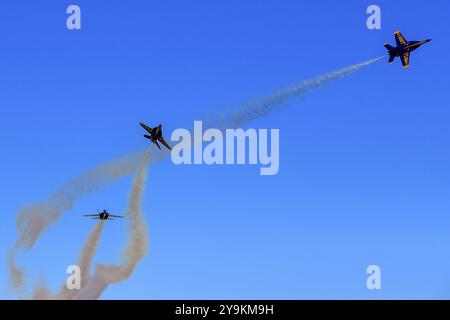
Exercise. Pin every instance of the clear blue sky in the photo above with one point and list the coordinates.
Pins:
(363, 178)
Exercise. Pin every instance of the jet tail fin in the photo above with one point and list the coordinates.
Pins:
(147, 136)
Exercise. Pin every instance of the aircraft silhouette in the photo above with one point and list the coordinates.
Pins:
(155, 135)
(403, 48)
(104, 215)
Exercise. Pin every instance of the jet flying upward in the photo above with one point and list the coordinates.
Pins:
(155, 135)
(104, 215)
(403, 48)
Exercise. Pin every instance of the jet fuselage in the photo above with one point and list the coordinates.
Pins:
(103, 215)
(412, 45)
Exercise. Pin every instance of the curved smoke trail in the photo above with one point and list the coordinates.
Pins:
(135, 249)
(84, 262)
(35, 219)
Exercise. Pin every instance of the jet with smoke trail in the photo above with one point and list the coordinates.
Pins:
(135, 249)
(34, 219)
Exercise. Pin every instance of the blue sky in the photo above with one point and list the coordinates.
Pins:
(363, 174)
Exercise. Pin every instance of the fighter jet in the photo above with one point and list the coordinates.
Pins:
(104, 215)
(403, 48)
(155, 135)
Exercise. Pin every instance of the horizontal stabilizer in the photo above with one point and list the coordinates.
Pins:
(389, 47)
(391, 58)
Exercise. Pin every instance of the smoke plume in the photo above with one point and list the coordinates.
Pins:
(35, 219)
(135, 249)
(262, 107)
(84, 262)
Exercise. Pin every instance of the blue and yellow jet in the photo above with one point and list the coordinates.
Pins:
(403, 48)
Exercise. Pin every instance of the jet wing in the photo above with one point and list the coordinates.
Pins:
(111, 215)
(161, 139)
(400, 40)
(146, 127)
(90, 215)
(405, 59)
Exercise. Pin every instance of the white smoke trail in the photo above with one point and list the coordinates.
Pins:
(135, 249)
(41, 292)
(280, 99)
(84, 262)
(34, 219)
